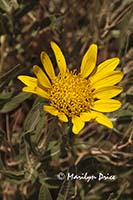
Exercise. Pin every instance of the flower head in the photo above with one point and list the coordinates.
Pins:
(82, 96)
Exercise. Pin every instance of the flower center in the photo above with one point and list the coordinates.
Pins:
(71, 94)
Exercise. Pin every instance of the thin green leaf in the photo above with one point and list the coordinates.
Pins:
(67, 190)
(14, 102)
(5, 78)
(44, 193)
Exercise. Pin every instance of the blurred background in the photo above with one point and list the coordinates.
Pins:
(36, 147)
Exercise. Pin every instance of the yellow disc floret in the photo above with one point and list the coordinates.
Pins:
(71, 94)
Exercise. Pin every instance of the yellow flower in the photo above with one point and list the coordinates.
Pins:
(81, 96)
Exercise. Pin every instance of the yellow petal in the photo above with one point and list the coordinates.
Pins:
(78, 124)
(107, 92)
(102, 119)
(106, 105)
(59, 57)
(109, 79)
(105, 68)
(108, 65)
(48, 66)
(55, 112)
(36, 90)
(89, 61)
(62, 117)
(86, 116)
(27, 80)
(51, 110)
(42, 78)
